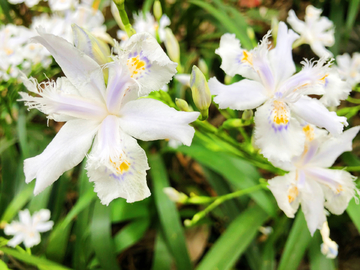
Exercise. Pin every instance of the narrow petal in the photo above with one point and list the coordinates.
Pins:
(281, 57)
(82, 71)
(277, 134)
(60, 101)
(44, 227)
(242, 95)
(296, 24)
(149, 119)
(312, 204)
(25, 217)
(286, 193)
(314, 112)
(118, 86)
(117, 165)
(319, 49)
(147, 62)
(338, 187)
(64, 152)
(333, 147)
(41, 216)
(16, 240)
(13, 228)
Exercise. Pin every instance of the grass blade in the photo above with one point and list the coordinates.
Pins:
(168, 214)
(234, 241)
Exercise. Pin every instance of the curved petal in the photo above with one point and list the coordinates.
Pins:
(312, 111)
(312, 204)
(44, 227)
(281, 59)
(333, 147)
(277, 134)
(41, 216)
(82, 71)
(148, 119)
(335, 90)
(241, 95)
(121, 173)
(64, 152)
(147, 62)
(286, 193)
(319, 49)
(338, 187)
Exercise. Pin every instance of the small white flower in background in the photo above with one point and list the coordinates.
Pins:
(147, 23)
(349, 68)
(29, 3)
(105, 117)
(56, 5)
(316, 31)
(329, 247)
(280, 96)
(310, 182)
(28, 228)
(184, 79)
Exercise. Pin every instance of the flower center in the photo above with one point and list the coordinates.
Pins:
(280, 114)
(136, 66)
(247, 58)
(120, 166)
(293, 192)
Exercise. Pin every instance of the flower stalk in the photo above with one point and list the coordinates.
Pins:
(124, 18)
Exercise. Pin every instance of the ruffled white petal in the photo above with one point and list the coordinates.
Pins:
(333, 147)
(286, 193)
(338, 187)
(278, 135)
(281, 59)
(335, 90)
(241, 95)
(296, 24)
(313, 111)
(148, 119)
(117, 165)
(82, 71)
(147, 62)
(64, 152)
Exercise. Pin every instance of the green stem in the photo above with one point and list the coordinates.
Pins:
(124, 18)
(353, 100)
(28, 250)
(219, 200)
(298, 42)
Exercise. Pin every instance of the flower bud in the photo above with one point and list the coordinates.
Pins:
(200, 92)
(203, 67)
(175, 195)
(227, 79)
(182, 105)
(329, 247)
(232, 123)
(172, 45)
(90, 45)
(247, 115)
(157, 10)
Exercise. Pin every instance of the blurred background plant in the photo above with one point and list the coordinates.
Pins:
(246, 230)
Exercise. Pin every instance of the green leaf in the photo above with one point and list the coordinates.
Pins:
(353, 212)
(18, 203)
(121, 210)
(234, 241)
(226, 21)
(162, 257)
(131, 234)
(317, 260)
(3, 266)
(101, 239)
(353, 10)
(296, 244)
(39, 262)
(168, 214)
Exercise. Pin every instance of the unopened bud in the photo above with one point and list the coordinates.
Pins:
(250, 32)
(247, 115)
(274, 28)
(182, 105)
(172, 45)
(200, 92)
(90, 45)
(203, 67)
(175, 195)
(227, 79)
(232, 123)
(157, 10)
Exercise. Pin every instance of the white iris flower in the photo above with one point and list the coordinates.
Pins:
(316, 31)
(278, 93)
(111, 113)
(28, 228)
(349, 68)
(310, 183)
